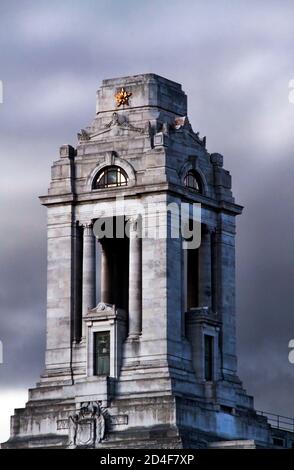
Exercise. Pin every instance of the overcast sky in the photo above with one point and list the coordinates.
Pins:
(234, 60)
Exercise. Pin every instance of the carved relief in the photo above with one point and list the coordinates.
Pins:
(118, 122)
(83, 136)
(104, 307)
(86, 427)
(122, 122)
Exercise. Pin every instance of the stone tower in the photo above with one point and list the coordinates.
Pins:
(141, 340)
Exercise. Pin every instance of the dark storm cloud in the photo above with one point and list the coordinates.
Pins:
(234, 62)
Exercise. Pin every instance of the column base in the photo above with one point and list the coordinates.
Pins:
(133, 337)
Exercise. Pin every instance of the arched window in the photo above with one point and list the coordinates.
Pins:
(192, 181)
(110, 177)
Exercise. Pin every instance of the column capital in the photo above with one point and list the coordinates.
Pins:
(88, 228)
(85, 221)
(132, 219)
(133, 223)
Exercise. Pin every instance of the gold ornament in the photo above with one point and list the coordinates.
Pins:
(122, 97)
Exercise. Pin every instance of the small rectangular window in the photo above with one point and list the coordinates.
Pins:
(102, 353)
(208, 357)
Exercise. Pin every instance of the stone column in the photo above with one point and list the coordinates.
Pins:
(135, 279)
(105, 275)
(89, 269)
(205, 269)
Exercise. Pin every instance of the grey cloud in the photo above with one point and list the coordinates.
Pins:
(234, 61)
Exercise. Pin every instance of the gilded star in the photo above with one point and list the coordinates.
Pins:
(122, 97)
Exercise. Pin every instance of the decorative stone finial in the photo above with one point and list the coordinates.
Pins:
(66, 151)
(217, 159)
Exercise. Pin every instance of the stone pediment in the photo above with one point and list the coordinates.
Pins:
(119, 125)
(179, 129)
(103, 310)
(101, 307)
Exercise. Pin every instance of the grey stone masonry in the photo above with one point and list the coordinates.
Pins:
(141, 329)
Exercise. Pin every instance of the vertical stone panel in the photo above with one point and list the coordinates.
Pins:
(154, 278)
(59, 289)
(174, 282)
(225, 245)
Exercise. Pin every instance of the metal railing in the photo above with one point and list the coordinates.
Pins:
(278, 421)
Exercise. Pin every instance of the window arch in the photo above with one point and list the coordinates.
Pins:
(193, 181)
(110, 177)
